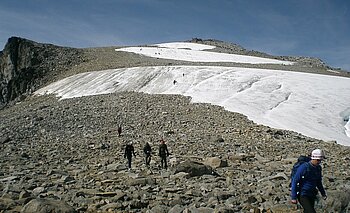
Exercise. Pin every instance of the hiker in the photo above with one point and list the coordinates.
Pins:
(307, 180)
(129, 151)
(174, 82)
(147, 150)
(163, 153)
(119, 130)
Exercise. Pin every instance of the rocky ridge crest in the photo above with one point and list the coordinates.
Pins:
(237, 49)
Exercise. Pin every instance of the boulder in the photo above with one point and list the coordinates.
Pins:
(337, 201)
(215, 162)
(45, 205)
(194, 169)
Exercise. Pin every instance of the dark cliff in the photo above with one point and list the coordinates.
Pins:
(26, 65)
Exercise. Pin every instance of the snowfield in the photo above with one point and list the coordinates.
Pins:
(194, 52)
(314, 105)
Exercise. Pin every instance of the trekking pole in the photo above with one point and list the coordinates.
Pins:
(294, 207)
(299, 206)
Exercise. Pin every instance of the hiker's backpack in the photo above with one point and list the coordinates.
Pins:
(301, 160)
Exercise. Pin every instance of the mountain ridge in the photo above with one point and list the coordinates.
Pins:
(66, 154)
(227, 47)
(26, 65)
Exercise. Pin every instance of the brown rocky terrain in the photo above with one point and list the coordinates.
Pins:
(66, 156)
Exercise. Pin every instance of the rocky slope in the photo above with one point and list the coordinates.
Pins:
(66, 156)
(68, 151)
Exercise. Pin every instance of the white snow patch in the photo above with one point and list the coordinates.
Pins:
(172, 51)
(185, 45)
(311, 104)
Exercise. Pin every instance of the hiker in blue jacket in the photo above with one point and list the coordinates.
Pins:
(306, 182)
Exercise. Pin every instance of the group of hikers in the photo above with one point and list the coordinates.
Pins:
(147, 150)
(306, 176)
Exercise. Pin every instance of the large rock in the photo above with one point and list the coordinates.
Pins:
(45, 205)
(338, 201)
(215, 162)
(194, 169)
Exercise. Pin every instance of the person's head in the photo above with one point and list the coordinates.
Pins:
(162, 141)
(317, 156)
(130, 143)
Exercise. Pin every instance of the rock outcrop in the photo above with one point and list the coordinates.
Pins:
(26, 65)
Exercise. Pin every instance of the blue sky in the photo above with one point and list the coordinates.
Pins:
(316, 28)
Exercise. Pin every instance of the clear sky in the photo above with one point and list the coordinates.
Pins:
(316, 28)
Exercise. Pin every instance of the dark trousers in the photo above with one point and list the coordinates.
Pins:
(163, 162)
(129, 161)
(308, 204)
(148, 159)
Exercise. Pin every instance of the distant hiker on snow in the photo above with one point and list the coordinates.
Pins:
(174, 82)
(163, 153)
(147, 150)
(307, 180)
(129, 152)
